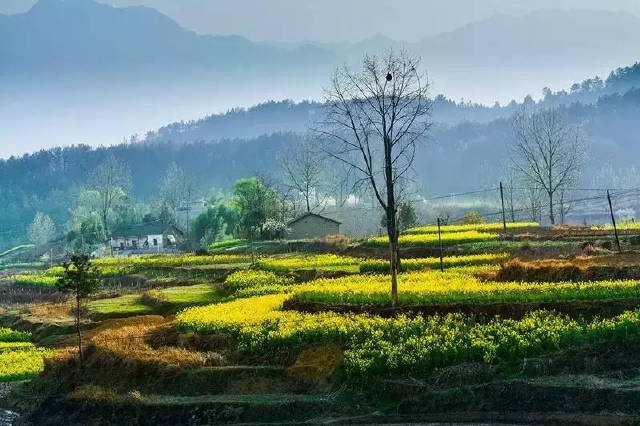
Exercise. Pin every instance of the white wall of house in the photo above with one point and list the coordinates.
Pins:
(156, 241)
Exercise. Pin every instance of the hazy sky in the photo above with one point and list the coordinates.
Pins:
(339, 20)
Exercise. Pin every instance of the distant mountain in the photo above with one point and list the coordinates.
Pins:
(78, 71)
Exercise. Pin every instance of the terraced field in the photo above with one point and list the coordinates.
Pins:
(313, 337)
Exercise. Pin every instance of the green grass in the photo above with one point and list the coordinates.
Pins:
(21, 266)
(16, 249)
(128, 304)
(227, 244)
(191, 295)
(9, 335)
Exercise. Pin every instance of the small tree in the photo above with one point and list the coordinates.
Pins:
(41, 230)
(254, 203)
(472, 217)
(407, 217)
(81, 279)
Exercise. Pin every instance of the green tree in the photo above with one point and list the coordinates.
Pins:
(407, 217)
(211, 224)
(81, 279)
(254, 204)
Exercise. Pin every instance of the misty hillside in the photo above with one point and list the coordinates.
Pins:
(454, 158)
(65, 63)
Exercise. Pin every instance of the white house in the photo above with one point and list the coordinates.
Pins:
(145, 238)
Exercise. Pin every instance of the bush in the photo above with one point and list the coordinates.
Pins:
(472, 217)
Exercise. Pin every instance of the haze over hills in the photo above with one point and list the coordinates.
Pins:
(454, 158)
(92, 73)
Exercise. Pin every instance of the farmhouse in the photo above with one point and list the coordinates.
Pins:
(311, 225)
(145, 238)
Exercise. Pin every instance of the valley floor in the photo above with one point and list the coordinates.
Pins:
(535, 326)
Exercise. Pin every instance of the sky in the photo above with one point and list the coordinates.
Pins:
(339, 20)
(43, 117)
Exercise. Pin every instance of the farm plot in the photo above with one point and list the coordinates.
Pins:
(432, 240)
(381, 346)
(480, 227)
(19, 358)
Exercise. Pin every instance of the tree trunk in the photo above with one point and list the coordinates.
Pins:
(393, 262)
(551, 216)
(392, 224)
(80, 355)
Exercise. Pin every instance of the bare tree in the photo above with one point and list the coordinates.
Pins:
(374, 120)
(304, 173)
(547, 151)
(531, 201)
(41, 230)
(111, 180)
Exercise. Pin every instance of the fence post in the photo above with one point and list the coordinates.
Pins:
(440, 245)
(504, 220)
(613, 220)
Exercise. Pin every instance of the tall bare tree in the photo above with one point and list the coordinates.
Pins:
(176, 191)
(111, 180)
(547, 151)
(304, 173)
(374, 120)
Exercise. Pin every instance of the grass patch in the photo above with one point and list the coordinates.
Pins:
(128, 304)
(191, 295)
(16, 249)
(481, 227)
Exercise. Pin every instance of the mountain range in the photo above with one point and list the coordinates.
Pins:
(81, 71)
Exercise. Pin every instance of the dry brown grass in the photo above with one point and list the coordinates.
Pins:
(51, 312)
(126, 339)
(95, 393)
(580, 268)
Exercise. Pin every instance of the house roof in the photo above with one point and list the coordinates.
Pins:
(151, 228)
(312, 214)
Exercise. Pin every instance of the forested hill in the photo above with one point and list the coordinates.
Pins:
(272, 116)
(454, 158)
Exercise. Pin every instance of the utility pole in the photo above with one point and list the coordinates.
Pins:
(440, 245)
(613, 220)
(504, 220)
